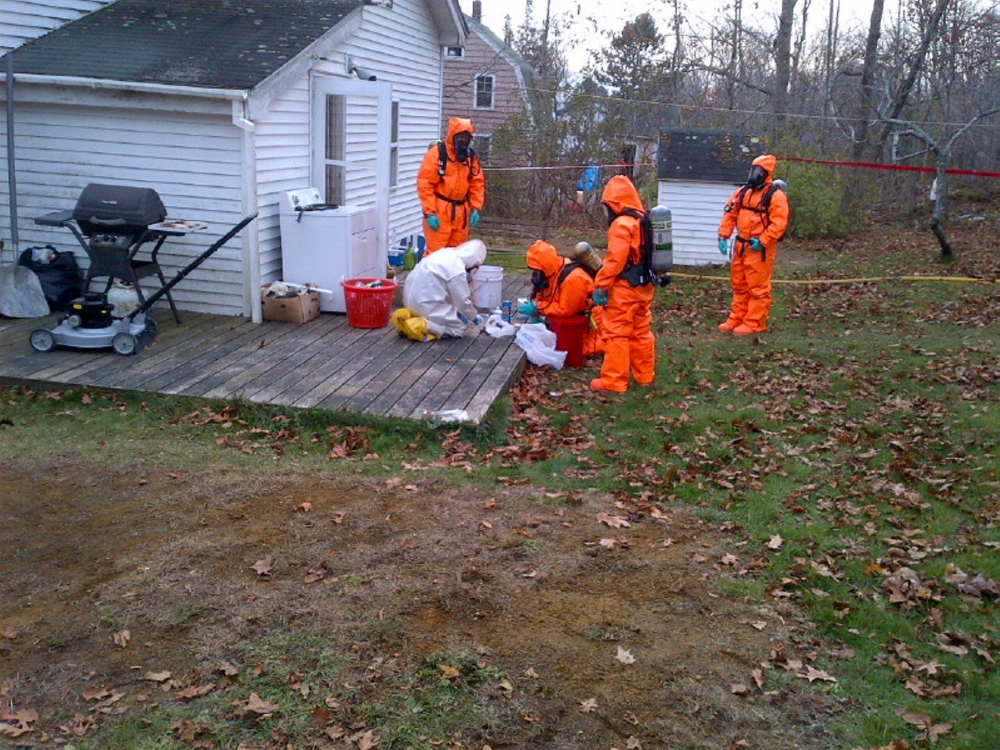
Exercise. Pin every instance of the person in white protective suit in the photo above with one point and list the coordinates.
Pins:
(436, 295)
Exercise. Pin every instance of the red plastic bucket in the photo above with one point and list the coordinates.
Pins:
(570, 331)
(369, 306)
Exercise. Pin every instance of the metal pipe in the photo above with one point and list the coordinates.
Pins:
(11, 177)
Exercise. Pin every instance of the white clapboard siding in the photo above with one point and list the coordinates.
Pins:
(696, 208)
(193, 163)
(190, 152)
(24, 20)
(283, 148)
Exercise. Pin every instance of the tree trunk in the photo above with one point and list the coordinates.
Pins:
(867, 81)
(940, 210)
(782, 64)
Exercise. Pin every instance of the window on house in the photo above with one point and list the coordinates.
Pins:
(485, 87)
(454, 52)
(336, 138)
(481, 143)
(394, 147)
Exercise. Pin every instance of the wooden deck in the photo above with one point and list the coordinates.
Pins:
(325, 364)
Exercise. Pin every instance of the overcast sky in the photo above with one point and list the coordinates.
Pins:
(579, 16)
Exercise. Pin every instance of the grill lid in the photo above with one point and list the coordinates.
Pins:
(117, 208)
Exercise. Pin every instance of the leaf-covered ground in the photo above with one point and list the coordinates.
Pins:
(790, 541)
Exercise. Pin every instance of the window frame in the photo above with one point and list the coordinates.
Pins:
(492, 78)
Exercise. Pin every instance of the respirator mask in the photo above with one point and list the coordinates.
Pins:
(757, 177)
(539, 281)
(610, 214)
(463, 145)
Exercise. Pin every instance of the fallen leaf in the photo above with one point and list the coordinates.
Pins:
(738, 688)
(449, 672)
(263, 567)
(588, 705)
(775, 542)
(260, 706)
(615, 522)
(121, 638)
(625, 656)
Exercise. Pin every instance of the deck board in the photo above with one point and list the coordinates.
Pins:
(324, 364)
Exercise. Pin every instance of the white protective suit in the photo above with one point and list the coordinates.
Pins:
(437, 289)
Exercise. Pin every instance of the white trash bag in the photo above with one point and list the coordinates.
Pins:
(497, 327)
(539, 343)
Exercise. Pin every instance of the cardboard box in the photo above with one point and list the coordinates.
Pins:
(299, 309)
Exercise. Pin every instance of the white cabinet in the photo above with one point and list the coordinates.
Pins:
(325, 245)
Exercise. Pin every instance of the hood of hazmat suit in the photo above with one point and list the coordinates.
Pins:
(437, 289)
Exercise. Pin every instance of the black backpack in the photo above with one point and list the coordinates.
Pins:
(642, 273)
(765, 206)
(443, 157)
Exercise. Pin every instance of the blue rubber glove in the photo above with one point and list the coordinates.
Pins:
(463, 318)
(756, 244)
(724, 246)
(527, 309)
(475, 218)
(434, 222)
(600, 297)
(479, 320)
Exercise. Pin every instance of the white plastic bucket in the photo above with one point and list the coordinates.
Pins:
(487, 287)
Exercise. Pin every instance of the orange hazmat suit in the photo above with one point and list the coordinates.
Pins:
(571, 296)
(627, 329)
(454, 195)
(750, 271)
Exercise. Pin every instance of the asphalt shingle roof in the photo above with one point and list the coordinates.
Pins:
(230, 44)
(707, 156)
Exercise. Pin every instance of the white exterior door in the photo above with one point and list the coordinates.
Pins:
(350, 127)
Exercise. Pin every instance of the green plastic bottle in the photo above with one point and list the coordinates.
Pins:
(410, 258)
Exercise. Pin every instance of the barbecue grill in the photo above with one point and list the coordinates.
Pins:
(112, 223)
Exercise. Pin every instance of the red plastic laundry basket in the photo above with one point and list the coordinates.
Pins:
(369, 306)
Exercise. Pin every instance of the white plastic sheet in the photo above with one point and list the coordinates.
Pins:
(539, 343)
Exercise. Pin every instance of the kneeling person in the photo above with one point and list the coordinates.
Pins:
(436, 295)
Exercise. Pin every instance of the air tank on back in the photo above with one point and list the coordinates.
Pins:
(663, 242)
(584, 253)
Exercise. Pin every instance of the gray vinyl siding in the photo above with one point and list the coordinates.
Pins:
(696, 208)
(23, 20)
(191, 160)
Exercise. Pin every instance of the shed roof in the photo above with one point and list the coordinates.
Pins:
(226, 44)
(707, 156)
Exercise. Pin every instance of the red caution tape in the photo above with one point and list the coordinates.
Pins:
(900, 167)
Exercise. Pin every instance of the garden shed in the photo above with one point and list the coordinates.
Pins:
(697, 171)
(223, 107)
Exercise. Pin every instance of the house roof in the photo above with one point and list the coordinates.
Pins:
(707, 156)
(226, 44)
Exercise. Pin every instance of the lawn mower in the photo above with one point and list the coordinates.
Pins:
(90, 324)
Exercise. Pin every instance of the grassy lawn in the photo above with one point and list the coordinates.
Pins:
(850, 454)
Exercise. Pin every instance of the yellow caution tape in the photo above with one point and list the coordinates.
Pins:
(959, 279)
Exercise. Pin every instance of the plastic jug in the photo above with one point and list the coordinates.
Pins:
(410, 258)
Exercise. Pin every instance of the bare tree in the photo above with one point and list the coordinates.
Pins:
(868, 80)
(782, 63)
(943, 151)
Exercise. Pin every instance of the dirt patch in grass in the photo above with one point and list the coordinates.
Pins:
(380, 574)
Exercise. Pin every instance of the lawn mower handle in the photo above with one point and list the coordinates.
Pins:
(189, 268)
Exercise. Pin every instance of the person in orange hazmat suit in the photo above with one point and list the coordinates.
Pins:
(759, 223)
(561, 286)
(451, 187)
(627, 328)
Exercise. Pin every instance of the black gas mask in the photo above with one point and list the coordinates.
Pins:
(757, 177)
(463, 145)
(539, 281)
(609, 213)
